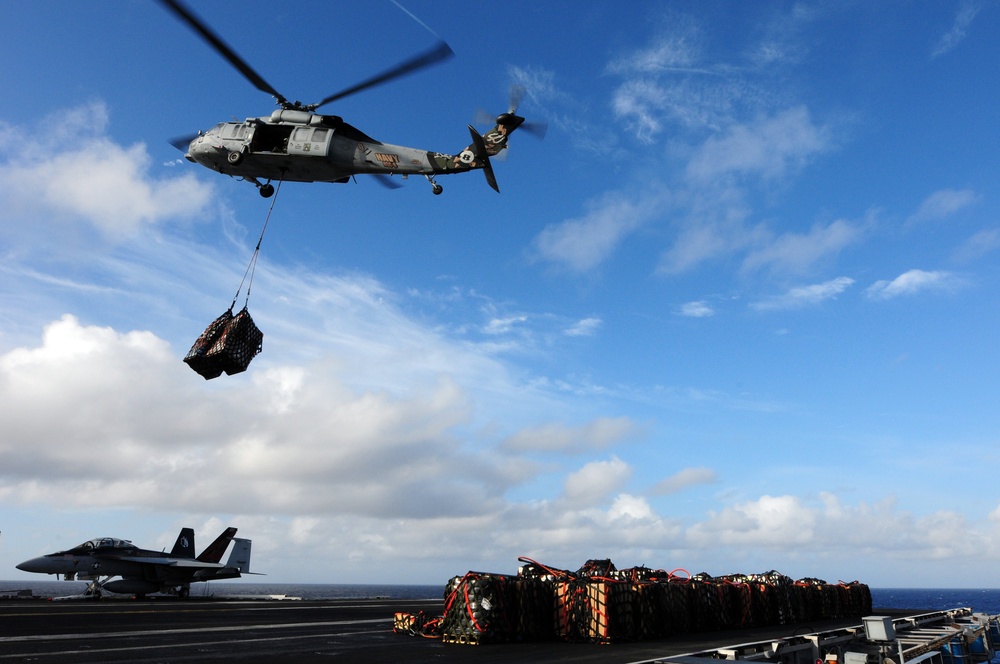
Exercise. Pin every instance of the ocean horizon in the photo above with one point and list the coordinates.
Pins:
(984, 600)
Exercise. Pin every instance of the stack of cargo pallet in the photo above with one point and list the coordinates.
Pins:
(601, 604)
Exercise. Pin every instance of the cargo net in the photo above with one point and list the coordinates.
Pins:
(230, 342)
(601, 604)
(227, 344)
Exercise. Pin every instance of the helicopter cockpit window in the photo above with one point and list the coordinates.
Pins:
(236, 131)
(319, 134)
(301, 133)
(217, 129)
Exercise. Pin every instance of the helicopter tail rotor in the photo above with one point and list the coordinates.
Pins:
(516, 96)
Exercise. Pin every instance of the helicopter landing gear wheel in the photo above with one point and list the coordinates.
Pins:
(235, 158)
(267, 190)
(435, 187)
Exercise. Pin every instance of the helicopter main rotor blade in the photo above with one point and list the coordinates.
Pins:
(436, 54)
(223, 49)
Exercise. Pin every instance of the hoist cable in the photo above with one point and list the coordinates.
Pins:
(252, 265)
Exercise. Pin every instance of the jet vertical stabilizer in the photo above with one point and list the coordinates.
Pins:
(239, 559)
(184, 546)
(213, 553)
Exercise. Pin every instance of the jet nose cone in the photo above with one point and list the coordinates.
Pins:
(41, 565)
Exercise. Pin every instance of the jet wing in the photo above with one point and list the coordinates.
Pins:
(167, 562)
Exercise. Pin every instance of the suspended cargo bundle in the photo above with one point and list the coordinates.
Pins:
(227, 344)
(230, 342)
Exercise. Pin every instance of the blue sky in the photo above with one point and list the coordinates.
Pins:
(737, 312)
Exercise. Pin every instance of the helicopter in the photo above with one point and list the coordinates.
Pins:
(296, 144)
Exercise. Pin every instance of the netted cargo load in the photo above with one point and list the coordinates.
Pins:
(766, 597)
(227, 344)
(416, 624)
(602, 604)
(595, 610)
(480, 608)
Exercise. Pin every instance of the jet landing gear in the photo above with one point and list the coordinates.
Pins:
(93, 590)
(435, 187)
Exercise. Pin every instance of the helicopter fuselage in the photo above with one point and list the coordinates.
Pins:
(301, 146)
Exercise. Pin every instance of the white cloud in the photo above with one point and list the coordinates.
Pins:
(584, 243)
(683, 479)
(798, 252)
(504, 325)
(596, 481)
(801, 296)
(912, 282)
(697, 309)
(79, 173)
(585, 327)
(768, 147)
(944, 203)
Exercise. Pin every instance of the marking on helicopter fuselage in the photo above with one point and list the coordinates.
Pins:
(387, 160)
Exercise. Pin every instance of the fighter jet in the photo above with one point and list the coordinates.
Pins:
(143, 571)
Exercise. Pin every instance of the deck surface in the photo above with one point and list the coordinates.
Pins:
(196, 630)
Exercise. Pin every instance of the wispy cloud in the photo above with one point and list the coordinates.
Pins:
(583, 328)
(980, 244)
(683, 479)
(768, 147)
(912, 282)
(583, 243)
(595, 435)
(802, 296)
(943, 204)
(799, 252)
(959, 30)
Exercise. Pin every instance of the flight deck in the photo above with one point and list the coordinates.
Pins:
(166, 630)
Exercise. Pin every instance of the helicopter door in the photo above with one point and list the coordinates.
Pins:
(271, 138)
(313, 141)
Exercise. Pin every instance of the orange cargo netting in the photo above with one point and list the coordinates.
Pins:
(601, 604)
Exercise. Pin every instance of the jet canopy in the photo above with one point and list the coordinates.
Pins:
(103, 543)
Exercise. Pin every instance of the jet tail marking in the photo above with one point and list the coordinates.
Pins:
(184, 546)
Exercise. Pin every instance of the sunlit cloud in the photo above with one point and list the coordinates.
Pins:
(79, 173)
(596, 481)
(912, 282)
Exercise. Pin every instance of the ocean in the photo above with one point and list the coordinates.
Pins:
(981, 600)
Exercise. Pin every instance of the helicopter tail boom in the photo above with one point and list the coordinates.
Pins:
(478, 153)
